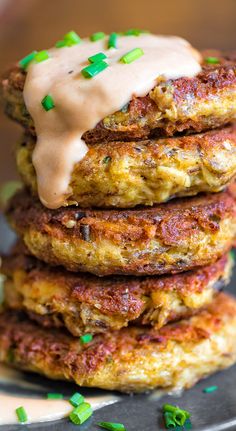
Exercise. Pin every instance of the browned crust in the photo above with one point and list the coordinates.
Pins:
(55, 353)
(165, 231)
(126, 174)
(86, 303)
(214, 82)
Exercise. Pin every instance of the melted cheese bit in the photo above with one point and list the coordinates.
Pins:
(81, 103)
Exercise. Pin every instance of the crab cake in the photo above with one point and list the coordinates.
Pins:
(193, 104)
(176, 356)
(168, 238)
(126, 174)
(86, 303)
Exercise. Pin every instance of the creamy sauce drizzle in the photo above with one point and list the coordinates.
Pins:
(38, 409)
(81, 103)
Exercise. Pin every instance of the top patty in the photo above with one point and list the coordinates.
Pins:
(131, 359)
(185, 104)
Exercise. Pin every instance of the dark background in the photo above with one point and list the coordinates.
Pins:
(36, 24)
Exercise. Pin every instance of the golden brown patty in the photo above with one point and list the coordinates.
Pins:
(86, 303)
(126, 174)
(204, 102)
(132, 359)
(168, 238)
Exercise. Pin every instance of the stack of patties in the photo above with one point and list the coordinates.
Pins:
(111, 285)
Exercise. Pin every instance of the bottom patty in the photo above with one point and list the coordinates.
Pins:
(169, 238)
(86, 303)
(133, 359)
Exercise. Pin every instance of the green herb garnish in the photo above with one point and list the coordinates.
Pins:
(93, 69)
(81, 413)
(54, 396)
(106, 160)
(97, 57)
(169, 420)
(22, 415)
(210, 389)
(97, 36)
(112, 41)
(71, 38)
(48, 103)
(41, 56)
(86, 338)
(76, 399)
(211, 60)
(132, 55)
(24, 62)
(112, 426)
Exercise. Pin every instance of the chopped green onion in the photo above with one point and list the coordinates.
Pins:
(210, 389)
(112, 426)
(24, 62)
(86, 338)
(93, 69)
(171, 409)
(97, 57)
(169, 421)
(112, 41)
(76, 399)
(54, 396)
(132, 55)
(135, 32)
(211, 60)
(81, 413)
(21, 414)
(97, 36)
(71, 38)
(48, 103)
(179, 417)
(41, 56)
(232, 255)
(60, 44)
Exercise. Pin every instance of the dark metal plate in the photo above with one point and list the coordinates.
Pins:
(210, 412)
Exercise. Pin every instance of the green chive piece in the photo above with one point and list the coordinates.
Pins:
(210, 389)
(48, 103)
(179, 417)
(97, 57)
(76, 399)
(232, 255)
(41, 56)
(81, 413)
(24, 62)
(97, 36)
(86, 338)
(135, 32)
(112, 41)
(169, 421)
(71, 38)
(60, 44)
(171, 409)
(132, 55)
(54, 396)
(112, 426)
(211, 60)
(93, 69)
(22, 415)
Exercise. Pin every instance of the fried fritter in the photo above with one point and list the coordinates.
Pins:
(194, 104)
(85, 303)
(126, 174)
(133, 359)
(168, 238)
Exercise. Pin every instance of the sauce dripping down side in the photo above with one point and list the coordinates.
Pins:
(81, 103)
